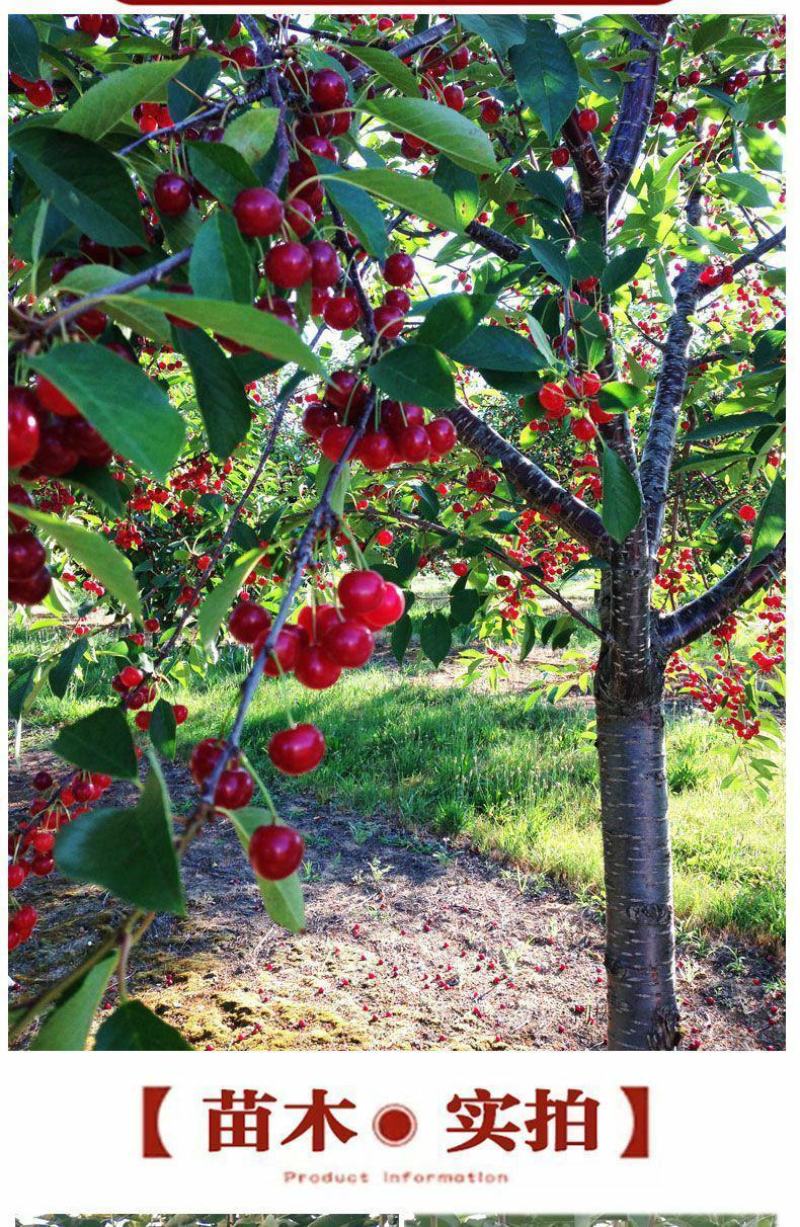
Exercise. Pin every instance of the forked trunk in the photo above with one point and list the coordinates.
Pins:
(640, 938)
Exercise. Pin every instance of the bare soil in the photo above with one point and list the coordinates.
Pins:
(412, 943)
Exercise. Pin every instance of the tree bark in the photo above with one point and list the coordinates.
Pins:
(640, 936)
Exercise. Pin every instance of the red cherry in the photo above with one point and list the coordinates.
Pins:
(588, 120)
(395, 417)
(375, 451)
(234, 789)
(152, 624)
(180, 712)
(325, 267)
(248, 622)
(560, 156)
(389, 609)
(317, 418)
(130, 676)
(552, 399)
(590, 383)
(300, 216)
(345, 392)
(245, 57)
(258, 212)
(314, 669)
(398, 269)
(491, 111)
(334, 440)
(17, 874)
(328, 89)
(384, 537)
(360, 591)
(454, 97)
(87, 442)
(747, 513)
(413, 444)
(442, 435)
(297, 750)
(315, 620)
(205, 756)
(42, 781)
(288, 265)
(583, 429)
(50, 398)
(26, 555)
(142, 720)
(397, 299)
(23, 427)
(30, 591)
(388, 322)
(341, 313)
(275, 851)
(172, 194)
(349, 644)
(109, 25)
(90, 23)
(39, 93)
(283, 656)
(42, 866)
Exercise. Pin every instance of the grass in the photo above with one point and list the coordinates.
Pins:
(518, 784)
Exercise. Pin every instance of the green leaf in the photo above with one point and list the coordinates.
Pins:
(134, 1028)
(461, 186)
(342, 485)
(361, 214)
(104, 489)
(622, 501)
(23, 47)
(767, 100)
(710, 30)
(744, 189)
(247, 325)
(501, 32)
(100, 742)
(547, 79)
(388, 66)
(621, 269)
(91, 278)
(420, 196)
(732, 424)
(494, 348)
(91, 186)
(91, 549)
(528, 638)
(132, 412)
(253, 133)
(415, 373)
(284, 899)
(66, 1027)
(221, 397)
(771, 523)
(112, 99)
(59, 677)
(445, 129)
(464, 604)
(435, 637)
(552, 260)
(221, 169)
(221, 265)
(452, 318)
(163, 729)
(186, 92)
(401, 637)
(545, 185)
(128, 851)
(617, 396)
(218, 601)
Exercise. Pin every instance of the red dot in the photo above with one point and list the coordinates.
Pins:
(394, 1125)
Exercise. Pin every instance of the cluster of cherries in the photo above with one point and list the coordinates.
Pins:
(399, 433)
(47, 437)
(136, 693)
(576, 399)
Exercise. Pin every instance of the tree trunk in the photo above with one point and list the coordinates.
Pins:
(640, 937)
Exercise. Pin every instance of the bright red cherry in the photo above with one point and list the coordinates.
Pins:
(205, 756)
(552, 399)
(325, 267)
(283, 657)
(30, 591)
(248, 621)
(318, 417)
(442, 435)
(234, 789)
(588, 120)
(747, 513)
(26, 555)
(341, 313)
(288, 265)
(454, 97)
(360, 591)
(398, 269)
(349, 644)
(315, 620)
(389, 609)
(297, 750)
(50, 398)
(23, 427)
(388, 321)
(491, 111)
(109, 25)
(560, 156)
(300, 216)
(90, 23)
(328, 89)
(334, 440)
(314, 669)
(130, 676)
(39, 93)
(172, 194)
(245, 57)
(413, 444)
(181, 713)
(583, 429)
(345, 392)
(258, 212)
(376, 451)
(275, 851)
(397, 299)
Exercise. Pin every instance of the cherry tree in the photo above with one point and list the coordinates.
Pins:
(273, 281)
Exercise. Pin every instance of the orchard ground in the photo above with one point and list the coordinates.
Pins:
(453, 876)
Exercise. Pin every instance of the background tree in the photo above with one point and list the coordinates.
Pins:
(572, 229)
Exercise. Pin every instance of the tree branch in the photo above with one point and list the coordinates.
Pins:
(696, 618)
(636, 105)
(539, 490)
